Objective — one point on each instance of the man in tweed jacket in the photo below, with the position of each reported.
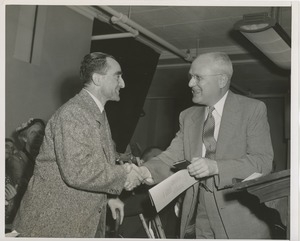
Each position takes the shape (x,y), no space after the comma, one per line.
(75,171)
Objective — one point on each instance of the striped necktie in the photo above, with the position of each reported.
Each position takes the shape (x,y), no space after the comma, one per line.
(208,135)
(209,143)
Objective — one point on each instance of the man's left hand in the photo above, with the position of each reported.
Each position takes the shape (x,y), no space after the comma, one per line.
(116,204)
(202,167)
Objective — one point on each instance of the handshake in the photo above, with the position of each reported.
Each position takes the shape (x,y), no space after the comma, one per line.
(135,176)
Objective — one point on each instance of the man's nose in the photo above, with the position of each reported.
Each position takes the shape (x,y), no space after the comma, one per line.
(121,83)
(192,82)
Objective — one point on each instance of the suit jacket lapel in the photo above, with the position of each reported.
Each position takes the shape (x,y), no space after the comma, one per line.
(110,144)
(91,105)
(107,144)
(230,119)
(195,132)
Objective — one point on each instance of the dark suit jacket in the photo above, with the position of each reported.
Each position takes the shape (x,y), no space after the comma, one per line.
(243,147)
(74,172)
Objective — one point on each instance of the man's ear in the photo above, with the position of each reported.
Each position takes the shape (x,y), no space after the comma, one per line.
(223,80)
(97,79)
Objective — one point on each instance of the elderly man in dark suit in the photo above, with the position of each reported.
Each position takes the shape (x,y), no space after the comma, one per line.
(224,136)
(75,172)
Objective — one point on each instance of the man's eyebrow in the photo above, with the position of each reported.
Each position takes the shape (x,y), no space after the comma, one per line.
(119,73)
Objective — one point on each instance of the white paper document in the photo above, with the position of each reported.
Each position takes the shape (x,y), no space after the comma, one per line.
(164,192)
(253,176)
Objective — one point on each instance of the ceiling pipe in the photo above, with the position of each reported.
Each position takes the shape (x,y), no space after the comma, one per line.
(274,13)
(131,33)
(112,36)
(134,32)
(253,95)
(121,18)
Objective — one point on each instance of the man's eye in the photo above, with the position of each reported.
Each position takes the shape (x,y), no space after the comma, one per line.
(196,77)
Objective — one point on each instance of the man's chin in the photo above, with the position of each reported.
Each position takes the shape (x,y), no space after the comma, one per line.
(197,100)
(117,98)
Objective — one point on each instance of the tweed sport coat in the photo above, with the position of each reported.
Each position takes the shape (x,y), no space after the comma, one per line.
(74,172)
(243,147)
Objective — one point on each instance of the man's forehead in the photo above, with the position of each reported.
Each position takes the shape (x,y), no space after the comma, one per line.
(204,60)
(198,65)
(113,64)
(112,61)
(202,63)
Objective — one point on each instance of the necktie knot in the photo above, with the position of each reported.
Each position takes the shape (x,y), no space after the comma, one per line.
(210,110)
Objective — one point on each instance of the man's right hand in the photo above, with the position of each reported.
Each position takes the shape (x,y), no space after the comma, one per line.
(134,178)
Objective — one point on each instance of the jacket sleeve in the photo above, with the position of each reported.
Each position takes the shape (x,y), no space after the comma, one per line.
(161,166)
(258,154)
(83,163)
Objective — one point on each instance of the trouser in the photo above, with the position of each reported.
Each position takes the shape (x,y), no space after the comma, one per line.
(208,220)
(100,232)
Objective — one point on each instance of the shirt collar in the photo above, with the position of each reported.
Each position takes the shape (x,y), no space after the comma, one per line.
(219,106)
(98,103)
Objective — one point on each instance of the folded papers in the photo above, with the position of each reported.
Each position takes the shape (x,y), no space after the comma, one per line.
(164,192)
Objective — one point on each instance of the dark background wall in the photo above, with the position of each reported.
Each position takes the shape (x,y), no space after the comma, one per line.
(38,89)
(138,63)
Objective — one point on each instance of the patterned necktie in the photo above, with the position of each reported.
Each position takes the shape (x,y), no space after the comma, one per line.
(208,135)
(209,143)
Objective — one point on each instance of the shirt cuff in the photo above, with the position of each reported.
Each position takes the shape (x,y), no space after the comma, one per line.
(147,177)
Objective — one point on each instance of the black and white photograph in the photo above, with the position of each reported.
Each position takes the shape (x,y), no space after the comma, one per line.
(150,119)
